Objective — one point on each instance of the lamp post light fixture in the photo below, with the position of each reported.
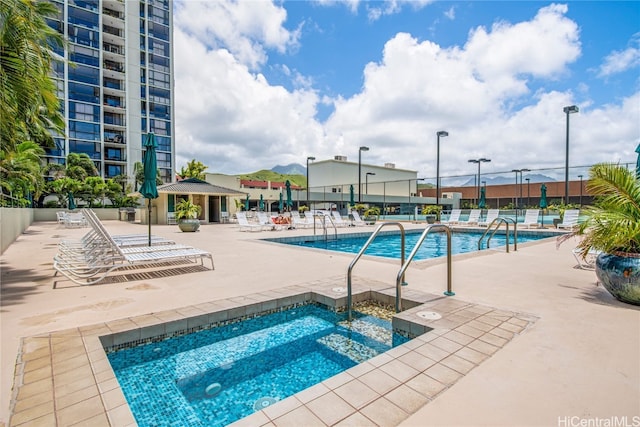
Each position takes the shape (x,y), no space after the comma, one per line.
(580,176)
(479,161)
(366,181)
(308,199)
(363,148)
(568,110)
(441,133)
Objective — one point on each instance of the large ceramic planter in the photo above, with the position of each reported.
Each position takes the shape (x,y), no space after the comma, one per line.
(619,273)
(189,225)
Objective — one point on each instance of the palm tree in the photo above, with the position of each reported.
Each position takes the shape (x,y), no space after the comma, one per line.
(194,169)
(20,172)
(29,105)
(613,223)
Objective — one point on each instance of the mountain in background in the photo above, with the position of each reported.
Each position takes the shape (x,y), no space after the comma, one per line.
(298,179)
(502,180)
(290,169)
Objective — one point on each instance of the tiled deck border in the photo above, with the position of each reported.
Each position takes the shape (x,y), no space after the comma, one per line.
(64,377)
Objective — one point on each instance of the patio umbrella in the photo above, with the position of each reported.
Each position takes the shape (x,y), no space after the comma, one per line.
(483,202)
(261,203)
(246,203)
(280,203)
(72,202)
(352,197)
(638,162)
(543,200)
(287,184)
(149,189)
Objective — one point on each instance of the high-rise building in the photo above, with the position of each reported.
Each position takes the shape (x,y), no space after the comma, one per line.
(116,83)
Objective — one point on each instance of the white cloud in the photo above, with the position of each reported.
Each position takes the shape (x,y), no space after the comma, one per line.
(233,120)
(230,118)
(244,28)
(451,13)
(620,61)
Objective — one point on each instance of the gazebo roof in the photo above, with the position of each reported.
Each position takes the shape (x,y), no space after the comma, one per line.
(197,186)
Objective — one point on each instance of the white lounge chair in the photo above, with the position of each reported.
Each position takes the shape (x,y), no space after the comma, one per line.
(357,221)
(338,221)
(474,217)
(491,215)
(570,219)
(245,225)
(267,223)
(299,222)
(531,218)
(454,217)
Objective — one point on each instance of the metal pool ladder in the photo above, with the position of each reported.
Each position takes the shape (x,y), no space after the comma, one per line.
(405,265)
(324,226)
(495,225)
(364,248)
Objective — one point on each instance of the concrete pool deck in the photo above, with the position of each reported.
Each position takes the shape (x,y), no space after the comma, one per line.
(580,359)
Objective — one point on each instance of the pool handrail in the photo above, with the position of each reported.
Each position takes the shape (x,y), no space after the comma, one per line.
(324,226)
(405,264)
(498,221)
(363,249)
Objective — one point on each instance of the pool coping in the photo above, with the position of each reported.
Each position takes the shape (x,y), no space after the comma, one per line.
(65,378)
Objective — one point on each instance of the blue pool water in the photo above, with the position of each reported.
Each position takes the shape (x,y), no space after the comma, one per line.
(389,245)
(217,376)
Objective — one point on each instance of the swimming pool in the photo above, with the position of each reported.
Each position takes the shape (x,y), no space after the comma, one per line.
(217,376)
(388,245)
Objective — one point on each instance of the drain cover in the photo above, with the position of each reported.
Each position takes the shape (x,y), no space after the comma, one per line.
(263,402)
(213,389)
(429,315)
(339,290)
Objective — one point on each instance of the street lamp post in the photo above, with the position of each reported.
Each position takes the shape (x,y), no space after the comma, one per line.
(580,176)
(441,133)
(522,170)
(515,190)
(568,110)
(363,148)
(528,191)
(308,198)
(479,161)
(366,182)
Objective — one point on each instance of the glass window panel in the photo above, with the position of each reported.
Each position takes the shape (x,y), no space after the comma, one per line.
(84,74)
(83,17)
(84,130)
(90,148)
(86,93)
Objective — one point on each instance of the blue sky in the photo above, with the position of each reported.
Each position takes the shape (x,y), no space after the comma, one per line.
(261,83)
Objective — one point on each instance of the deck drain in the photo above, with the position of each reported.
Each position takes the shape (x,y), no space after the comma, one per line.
(263,402)
(339,290)
(213,389)
(429,315)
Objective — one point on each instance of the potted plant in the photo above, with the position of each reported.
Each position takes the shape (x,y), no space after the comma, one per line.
(371,215)
(187,216)
(612,227)
(432,213)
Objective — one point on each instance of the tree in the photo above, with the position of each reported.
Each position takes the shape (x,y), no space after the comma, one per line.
(80,166)
(195,169)
(28,100)
(62,187)
(20,172)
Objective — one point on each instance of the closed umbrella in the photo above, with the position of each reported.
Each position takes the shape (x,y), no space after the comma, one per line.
(543,200)
(483,202)
(261,203)
(638,162)
(246,203)
(149,190)
(287,184)
(72,202)
(280,203)
(352,197)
